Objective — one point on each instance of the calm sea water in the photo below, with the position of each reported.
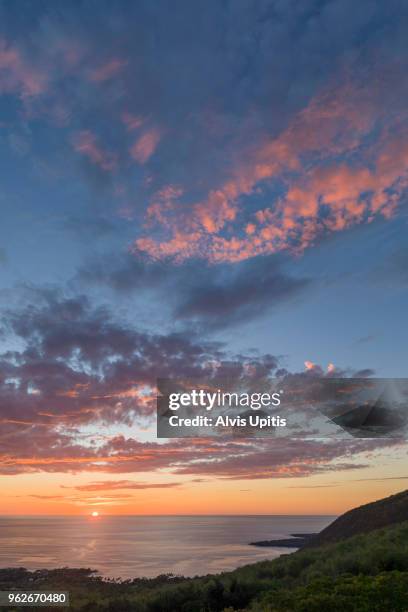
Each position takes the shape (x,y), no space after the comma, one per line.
(133,546)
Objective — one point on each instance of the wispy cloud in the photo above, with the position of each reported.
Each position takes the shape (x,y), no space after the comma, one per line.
(17,75)
(85,143)
(144,147)
(109,485)
(108,70)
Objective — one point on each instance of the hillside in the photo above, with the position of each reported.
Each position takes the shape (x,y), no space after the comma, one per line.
(381,513)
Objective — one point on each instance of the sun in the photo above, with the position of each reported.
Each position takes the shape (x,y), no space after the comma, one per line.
(94,513)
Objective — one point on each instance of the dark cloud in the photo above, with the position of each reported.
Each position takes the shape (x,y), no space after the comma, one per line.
(215,298)
(365,373)
(127,273)
(232,294)
(79,364)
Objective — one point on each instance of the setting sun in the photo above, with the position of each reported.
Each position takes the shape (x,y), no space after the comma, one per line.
(95,514)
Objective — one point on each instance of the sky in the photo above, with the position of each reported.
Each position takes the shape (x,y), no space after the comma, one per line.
(189,188)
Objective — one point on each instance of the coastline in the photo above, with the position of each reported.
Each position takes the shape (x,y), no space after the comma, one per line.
(296,540)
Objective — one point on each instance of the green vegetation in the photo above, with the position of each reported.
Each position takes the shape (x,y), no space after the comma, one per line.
(365,573)
(381,513)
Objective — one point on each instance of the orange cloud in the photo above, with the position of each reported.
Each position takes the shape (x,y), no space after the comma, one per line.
(331,179)
(163,202)
(145,146)
(309,365)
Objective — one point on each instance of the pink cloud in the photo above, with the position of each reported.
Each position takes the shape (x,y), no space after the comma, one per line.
(16,76)
(85,142)
(357,182)
(107,71)
(132,122)
(145,145)
(309,365)
(162,203)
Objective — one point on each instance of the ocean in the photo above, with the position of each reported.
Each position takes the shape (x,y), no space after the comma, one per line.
(135,546)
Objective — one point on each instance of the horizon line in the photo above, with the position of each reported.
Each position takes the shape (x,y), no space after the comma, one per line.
(101,514)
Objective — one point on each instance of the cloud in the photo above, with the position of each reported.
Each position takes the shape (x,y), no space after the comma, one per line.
(224,459)
(145,145)
(221,297)
(381,479)
(79,365)
(365,339)
(17,76)
(85,143)
(312,142)
(227,296)
(109,485)
(46,497)
(309,365)
(125,273)
(298,153)
(330,177)
(326,486)
(364,373)
(331,370)
(108,70)
(284,459)
(132,122)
